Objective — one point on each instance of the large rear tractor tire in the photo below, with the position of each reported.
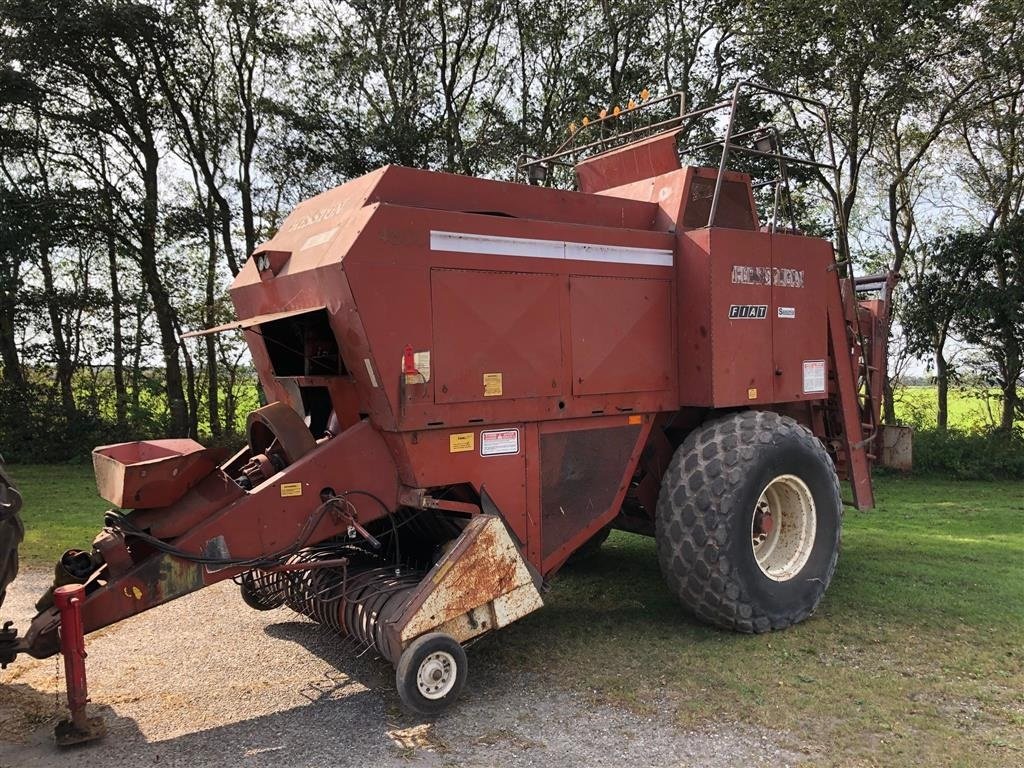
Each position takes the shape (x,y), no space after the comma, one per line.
(12,531)
(748,522)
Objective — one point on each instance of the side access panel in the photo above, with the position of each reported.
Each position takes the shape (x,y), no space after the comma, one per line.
(496,334)
(725,334)
(586,466)
(621,334)
(798,318)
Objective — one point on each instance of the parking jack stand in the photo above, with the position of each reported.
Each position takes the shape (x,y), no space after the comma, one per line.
(80,728)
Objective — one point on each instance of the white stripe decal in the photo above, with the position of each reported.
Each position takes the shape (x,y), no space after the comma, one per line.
(465,242)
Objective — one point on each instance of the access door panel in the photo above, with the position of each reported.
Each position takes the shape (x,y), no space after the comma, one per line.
(741,337)
(621,334)
(799,325)
(497,335)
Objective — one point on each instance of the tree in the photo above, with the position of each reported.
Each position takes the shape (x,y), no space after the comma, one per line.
(950,266)
(91,62)
(992,315)
(991,134)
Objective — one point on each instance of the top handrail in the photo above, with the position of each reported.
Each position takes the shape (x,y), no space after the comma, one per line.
(675,123)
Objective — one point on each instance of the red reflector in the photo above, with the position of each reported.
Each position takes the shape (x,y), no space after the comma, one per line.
(408,361)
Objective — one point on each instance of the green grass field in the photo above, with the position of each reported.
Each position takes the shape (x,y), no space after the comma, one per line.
(968,408)
(914,658)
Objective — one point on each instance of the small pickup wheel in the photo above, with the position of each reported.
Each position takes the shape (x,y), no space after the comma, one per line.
(748,522)
(431,673)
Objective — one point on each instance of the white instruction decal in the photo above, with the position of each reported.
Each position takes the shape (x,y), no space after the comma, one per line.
(787,312)
(499,442)
(814,376)
(422,362)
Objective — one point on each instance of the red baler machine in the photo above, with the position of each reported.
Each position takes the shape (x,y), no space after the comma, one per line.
(469,381)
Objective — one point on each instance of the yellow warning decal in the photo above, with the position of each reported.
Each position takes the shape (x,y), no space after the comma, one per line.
(459,442)
(291,489)
(752,393)
(636,418)
(492,385)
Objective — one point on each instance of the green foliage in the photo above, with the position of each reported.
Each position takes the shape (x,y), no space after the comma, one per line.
(35,428)
(971,284)
(952,263)
(972,447)
(969,455)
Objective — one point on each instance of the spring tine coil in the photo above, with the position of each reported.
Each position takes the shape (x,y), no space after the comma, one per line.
(356,601)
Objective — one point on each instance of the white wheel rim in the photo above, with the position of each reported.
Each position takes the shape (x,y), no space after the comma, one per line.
(782,528)
(436,676)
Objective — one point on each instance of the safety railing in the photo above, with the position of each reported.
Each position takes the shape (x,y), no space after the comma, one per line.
(766,139)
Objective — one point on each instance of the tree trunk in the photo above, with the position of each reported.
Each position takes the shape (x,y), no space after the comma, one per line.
(888,401)
(230,400)
(1010,396)
(942,386)
(64,368)
(9,354)
(212,389)
(120,391)
(140,314)
(1009,409)
(190,391)
(162,307)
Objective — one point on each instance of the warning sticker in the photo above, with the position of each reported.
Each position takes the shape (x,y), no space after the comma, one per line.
(814,376)
(421,366)
(499,442)
(291,489)
(422,362)
(492,385)
(459,442)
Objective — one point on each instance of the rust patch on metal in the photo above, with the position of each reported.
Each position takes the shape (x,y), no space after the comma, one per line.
(177,577)
(482,569)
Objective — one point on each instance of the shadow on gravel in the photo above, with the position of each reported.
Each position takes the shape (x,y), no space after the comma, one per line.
(354,666)
(356,669)
(27,720)
(351,730)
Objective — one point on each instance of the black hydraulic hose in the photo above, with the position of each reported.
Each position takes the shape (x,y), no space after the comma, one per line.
(387,512)
(119,522)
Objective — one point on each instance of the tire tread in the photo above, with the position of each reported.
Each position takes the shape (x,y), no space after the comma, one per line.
(692,527)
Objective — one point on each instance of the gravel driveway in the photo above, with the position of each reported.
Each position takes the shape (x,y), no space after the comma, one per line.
(206,681)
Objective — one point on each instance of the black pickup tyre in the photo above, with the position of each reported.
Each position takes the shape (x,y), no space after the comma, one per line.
(748,522)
